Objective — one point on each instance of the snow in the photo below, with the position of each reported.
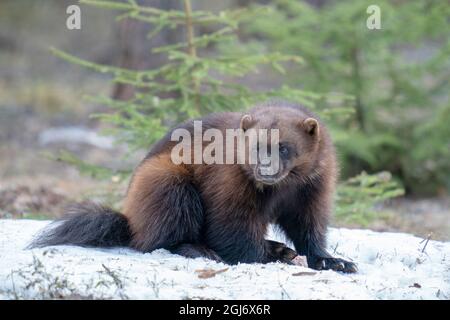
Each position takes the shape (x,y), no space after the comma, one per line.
(391,266)
(77,135)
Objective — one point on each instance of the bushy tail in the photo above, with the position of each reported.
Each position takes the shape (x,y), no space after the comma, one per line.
(86,224)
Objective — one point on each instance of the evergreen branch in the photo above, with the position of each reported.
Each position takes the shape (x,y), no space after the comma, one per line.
(116,5)
(94,171)
(91,65)
(176,17)
(201,41)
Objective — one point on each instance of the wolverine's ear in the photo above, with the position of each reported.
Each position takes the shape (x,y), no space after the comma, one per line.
(246,122)
(311,126)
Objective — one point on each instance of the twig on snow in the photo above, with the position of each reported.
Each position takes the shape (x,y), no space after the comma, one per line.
(426,241)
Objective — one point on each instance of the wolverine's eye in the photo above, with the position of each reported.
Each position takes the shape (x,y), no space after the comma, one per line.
(284,151)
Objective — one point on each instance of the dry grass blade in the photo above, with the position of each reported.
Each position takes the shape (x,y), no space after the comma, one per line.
(209,273)
(304,273)
(426,241)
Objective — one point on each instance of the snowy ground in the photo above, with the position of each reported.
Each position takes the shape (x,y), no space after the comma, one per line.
(391,266)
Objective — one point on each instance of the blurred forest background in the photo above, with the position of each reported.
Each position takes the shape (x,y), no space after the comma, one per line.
(131,72)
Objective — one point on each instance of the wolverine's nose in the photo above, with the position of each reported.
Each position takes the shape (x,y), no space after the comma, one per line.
(268,166)
(267,170)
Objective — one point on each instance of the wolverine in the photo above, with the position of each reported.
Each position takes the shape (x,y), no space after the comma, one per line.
(223,211)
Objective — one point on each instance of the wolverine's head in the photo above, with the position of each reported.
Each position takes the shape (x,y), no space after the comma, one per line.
(282,141)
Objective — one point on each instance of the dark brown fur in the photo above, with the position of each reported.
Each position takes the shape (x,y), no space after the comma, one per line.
(223,212)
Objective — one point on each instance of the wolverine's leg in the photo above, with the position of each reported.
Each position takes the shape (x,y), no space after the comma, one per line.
(163,206)
(305,223)
(277,251)
(190,250)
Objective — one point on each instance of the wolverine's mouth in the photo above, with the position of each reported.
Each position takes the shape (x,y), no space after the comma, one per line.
(268,179)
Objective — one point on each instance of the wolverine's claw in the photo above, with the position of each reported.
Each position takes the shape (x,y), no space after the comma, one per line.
(335,264)
(338,266)
(350,267)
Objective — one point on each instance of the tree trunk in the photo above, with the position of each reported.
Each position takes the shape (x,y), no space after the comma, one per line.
(135,48)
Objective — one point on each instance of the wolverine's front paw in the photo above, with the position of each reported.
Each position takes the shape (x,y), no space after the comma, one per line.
(335,264)
(277,251)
